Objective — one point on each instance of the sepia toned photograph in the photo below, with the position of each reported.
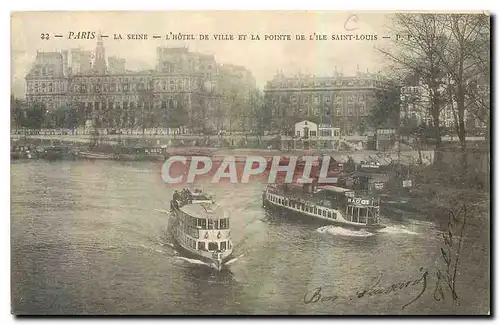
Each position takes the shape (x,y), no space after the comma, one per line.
(250,163)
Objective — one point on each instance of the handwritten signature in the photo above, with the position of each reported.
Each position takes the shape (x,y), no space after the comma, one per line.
(451,257)
(317,294)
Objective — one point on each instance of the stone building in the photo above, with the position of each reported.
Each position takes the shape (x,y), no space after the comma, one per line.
(341,101)
(186,90)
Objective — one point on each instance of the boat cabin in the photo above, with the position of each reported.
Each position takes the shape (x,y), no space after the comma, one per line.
(206,227)
(359,208)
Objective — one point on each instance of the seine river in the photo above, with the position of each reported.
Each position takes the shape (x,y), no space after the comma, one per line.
(89,238)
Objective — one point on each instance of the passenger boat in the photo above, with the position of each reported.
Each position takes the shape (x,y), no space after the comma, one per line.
(200,227)
(331,204)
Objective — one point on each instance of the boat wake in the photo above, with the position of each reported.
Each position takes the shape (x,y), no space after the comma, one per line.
(397,230)
(231,261)
(339,231)
(167,244)
(162,211)
(145,247)
(195,261)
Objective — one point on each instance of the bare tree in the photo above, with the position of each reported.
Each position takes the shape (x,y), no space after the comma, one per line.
(418,43)
(146,98)
(462,62)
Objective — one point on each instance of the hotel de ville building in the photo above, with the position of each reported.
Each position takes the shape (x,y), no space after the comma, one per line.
(186,90)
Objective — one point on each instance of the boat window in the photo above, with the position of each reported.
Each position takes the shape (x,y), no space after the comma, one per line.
(223,246)
(324,213)
(213,246)
(224,223)
(202,223)
(210,224)
(329,214)
(201,245)
(363,215)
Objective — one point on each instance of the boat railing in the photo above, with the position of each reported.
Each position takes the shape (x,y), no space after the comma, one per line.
(362,214)
(366,211)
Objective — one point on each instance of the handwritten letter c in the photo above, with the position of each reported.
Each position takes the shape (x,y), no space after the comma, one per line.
(353,18)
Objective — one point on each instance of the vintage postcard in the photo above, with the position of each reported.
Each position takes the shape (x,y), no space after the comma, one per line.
(250,163)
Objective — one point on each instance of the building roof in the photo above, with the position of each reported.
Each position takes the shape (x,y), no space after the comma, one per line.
(305,122)
(335,189)
(205,210)
(49,55)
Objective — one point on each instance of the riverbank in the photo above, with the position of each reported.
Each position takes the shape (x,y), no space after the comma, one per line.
(438,192)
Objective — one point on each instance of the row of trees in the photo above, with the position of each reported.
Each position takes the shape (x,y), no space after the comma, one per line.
(212,113)
(449,54)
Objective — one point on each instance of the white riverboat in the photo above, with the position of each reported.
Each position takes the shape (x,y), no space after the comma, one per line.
(332,204)
(201,228)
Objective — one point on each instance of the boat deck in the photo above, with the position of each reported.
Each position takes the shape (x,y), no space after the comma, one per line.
(318,198)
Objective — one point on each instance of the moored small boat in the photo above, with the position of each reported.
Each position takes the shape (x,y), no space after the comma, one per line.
(95,155)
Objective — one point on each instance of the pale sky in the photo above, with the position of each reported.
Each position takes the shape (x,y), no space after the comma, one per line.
(263,58)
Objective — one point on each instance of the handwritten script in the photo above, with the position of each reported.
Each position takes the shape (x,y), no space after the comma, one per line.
(451,255)
(445,279)
(318,296)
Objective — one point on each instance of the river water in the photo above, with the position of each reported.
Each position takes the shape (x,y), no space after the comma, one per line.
(89,238)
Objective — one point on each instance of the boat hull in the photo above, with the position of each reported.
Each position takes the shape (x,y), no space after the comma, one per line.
(293,214)
(218,265)
(202,255)
(95,156)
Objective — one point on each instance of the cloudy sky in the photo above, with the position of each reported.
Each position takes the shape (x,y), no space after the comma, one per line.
(262,57)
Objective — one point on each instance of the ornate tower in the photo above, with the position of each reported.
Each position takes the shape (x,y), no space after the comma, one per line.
(100,57)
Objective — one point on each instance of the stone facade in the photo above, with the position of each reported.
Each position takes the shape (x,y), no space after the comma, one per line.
(341,101)
(186,89)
